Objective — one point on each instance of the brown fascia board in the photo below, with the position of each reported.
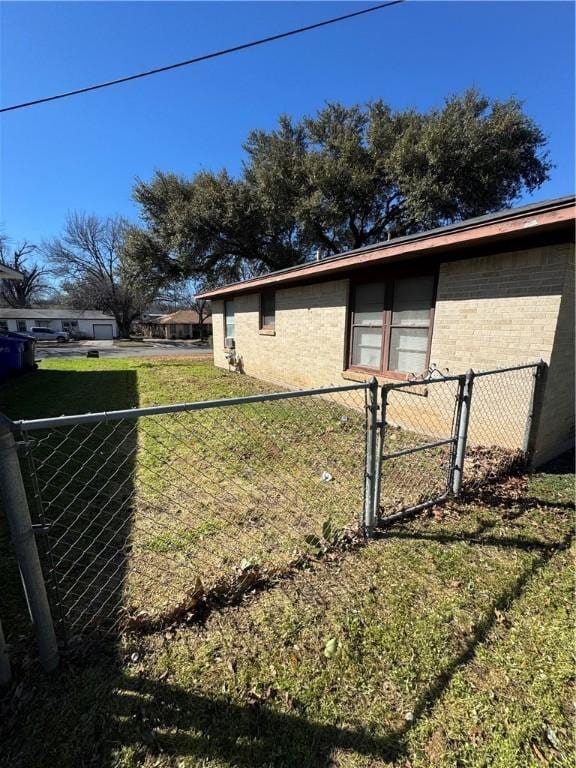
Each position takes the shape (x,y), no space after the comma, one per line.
(517,223)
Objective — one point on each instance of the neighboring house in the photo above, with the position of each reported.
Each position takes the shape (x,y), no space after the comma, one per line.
(183,324)
(484,293)
(82,323)
(7,273)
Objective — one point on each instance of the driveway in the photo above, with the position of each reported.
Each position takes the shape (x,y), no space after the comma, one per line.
(155,348)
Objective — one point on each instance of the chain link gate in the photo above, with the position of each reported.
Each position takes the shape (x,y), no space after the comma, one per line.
(418,444)
(431,425)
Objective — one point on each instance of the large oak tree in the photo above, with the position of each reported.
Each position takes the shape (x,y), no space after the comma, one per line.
(345,178)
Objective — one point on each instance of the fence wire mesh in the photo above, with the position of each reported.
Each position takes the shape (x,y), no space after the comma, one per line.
(417,459)
(143,515)
(499,423)
(419,415)
(145,518)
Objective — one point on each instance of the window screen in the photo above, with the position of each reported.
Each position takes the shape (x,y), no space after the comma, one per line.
(229,319)
(410,324)
(391,324)
(367,323)
(268,310)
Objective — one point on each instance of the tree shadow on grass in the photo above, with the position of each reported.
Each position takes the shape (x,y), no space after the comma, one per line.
(159,718)
(93,710)
(80,485)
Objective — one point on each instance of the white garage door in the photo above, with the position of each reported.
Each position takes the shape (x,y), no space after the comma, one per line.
(102,331)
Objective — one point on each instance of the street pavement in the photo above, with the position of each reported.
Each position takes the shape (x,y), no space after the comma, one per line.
(153,348)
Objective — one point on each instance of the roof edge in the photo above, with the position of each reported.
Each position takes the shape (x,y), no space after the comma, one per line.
(7,273)
(486,227)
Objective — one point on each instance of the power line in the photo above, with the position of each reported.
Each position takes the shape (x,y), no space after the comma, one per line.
(198,59)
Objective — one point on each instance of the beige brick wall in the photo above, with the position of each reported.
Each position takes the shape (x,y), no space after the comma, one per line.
(490,312)
(498,310)
(556,428)
(218,334)
(308,348)
(501,310)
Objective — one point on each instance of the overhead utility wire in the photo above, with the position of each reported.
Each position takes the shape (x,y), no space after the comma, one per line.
(198,59)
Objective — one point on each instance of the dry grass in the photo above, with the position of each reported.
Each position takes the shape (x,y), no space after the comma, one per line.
(444,642)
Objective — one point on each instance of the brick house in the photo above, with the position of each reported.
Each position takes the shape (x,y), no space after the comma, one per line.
(183,324)
(484,293)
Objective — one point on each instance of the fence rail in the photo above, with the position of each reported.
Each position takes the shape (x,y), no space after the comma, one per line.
(136,515)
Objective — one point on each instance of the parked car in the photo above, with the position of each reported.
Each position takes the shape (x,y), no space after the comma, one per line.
(48,334)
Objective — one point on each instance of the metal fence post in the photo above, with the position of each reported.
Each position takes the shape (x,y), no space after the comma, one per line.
(16,509)
(369,521)
(532,420)
(464,402)
(381,436)
(5,671)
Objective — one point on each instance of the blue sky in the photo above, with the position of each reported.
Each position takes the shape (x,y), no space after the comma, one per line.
(85,152)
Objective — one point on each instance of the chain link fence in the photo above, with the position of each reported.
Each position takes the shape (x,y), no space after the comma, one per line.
(140,518)
(143,513)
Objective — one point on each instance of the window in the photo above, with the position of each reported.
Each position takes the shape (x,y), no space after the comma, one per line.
(268,311)
(3,325)
(391,324)
(21,325)
(70,325)
(229,319)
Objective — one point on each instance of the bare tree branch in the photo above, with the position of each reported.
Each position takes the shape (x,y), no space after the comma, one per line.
(22,293)
(96,259)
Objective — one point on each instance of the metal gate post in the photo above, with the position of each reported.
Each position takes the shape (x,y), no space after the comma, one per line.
(531,430)
(369,516)
(381,436)
(464,401)
(15,506)
(5,671)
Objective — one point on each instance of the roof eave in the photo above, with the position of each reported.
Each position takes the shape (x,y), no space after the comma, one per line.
(7,273)
(492,228)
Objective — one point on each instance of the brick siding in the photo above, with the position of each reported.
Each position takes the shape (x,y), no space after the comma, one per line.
(491,311)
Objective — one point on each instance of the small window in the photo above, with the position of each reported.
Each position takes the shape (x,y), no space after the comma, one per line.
(367,324)
(3,325)
(229,319)
(410,324)
(391,325)
(21,325)
(268,310)
(70,325)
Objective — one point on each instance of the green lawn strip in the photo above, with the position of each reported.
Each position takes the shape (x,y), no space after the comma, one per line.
(248,478)
(406,619)
(512,704)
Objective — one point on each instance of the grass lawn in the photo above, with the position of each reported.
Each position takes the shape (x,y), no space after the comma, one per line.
(445,642)
(451,646)
(142,512)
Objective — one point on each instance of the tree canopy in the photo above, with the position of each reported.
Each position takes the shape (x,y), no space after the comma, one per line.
(345,178)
